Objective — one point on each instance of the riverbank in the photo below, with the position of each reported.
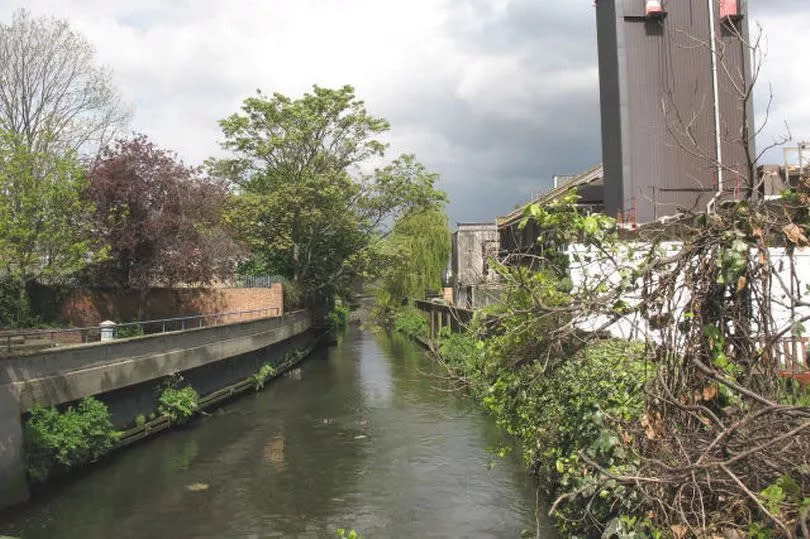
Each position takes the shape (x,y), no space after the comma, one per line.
(569,420)
(359,436)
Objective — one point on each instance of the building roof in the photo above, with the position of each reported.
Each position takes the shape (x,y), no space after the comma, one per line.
(590,176)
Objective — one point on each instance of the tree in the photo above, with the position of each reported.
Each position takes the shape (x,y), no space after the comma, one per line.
(159,217)
(45,224)
(417,252)
(51,92)
(302,206)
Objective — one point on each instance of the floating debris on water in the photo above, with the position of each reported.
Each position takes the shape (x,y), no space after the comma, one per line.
(196,487)
(295,374)
(360,437)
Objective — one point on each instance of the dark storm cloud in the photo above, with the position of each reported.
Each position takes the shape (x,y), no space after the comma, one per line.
(511,158)
(507,158)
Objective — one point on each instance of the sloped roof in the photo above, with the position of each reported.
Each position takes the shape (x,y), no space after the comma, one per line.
(588,177)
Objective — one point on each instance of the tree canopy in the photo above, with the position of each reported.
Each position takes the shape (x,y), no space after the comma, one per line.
(416,254)
(159,217)
(304,207)
(45,224)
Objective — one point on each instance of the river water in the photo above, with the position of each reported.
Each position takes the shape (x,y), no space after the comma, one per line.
(361,436)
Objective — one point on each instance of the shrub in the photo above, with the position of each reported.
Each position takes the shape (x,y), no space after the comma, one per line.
(411,322)
(338,317)
(578,405)
(126,332)
(264,372)
(55,439)
(178,404)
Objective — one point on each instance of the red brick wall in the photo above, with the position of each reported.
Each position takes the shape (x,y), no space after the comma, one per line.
(88,307)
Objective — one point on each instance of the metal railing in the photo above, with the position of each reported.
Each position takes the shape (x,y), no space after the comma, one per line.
(16,341)
(253,281)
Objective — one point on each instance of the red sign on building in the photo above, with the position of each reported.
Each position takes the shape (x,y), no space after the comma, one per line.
(729,8)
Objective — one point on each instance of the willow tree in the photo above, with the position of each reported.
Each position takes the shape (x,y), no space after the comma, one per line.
(417,250)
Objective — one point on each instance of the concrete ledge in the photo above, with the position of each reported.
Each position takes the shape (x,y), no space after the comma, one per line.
(101,368)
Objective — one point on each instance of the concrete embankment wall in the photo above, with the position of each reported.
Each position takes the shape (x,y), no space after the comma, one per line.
(126,374)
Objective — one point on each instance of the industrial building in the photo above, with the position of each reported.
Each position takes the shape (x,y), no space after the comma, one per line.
(675,121)
(473,280)
(518,242)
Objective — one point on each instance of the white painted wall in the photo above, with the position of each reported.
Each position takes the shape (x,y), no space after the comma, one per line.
(590,268)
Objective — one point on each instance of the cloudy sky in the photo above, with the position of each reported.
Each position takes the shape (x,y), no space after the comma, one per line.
(495,95)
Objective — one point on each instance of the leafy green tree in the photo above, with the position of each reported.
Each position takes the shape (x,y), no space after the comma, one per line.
(417,251)
(304,208)
(45,230)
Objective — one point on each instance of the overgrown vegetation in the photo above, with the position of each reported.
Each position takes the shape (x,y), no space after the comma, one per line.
(264,373)
(690,432)
(176,402)
(129,331)
(338,317)
(565,417)
(412,322)
(57,441)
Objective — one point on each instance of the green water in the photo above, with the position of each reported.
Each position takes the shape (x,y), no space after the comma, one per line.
(361,436)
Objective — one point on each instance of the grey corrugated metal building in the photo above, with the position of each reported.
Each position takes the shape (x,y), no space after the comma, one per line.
(662,113)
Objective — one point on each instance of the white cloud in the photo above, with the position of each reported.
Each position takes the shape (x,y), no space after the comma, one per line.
(477,88)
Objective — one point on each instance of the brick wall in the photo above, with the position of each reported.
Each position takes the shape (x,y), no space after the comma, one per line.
(89,306)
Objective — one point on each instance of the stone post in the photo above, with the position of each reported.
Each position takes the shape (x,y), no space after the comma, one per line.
(107,330)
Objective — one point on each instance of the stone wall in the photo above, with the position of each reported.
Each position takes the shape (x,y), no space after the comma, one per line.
(84,307)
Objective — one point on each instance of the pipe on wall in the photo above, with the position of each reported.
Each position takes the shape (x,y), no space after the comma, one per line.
(716,90)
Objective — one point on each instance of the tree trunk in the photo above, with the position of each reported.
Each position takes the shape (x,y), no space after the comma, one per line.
(142,293)
(23,307)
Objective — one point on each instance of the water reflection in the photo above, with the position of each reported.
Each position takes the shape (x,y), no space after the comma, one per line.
(360,437)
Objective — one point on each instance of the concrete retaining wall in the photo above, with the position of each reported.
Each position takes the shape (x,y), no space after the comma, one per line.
(125,374)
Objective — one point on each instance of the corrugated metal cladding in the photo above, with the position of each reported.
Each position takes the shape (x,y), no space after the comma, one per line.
(660,159)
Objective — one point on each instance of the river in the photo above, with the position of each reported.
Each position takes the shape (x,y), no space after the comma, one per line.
(361,436)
